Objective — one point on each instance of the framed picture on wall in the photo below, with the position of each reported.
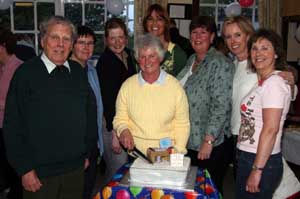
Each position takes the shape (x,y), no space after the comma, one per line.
(180,11)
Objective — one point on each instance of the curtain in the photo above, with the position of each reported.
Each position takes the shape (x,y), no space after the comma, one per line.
(140,8)
(269,14)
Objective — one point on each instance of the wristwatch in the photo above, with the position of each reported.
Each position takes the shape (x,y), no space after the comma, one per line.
(254,167)
(210,142)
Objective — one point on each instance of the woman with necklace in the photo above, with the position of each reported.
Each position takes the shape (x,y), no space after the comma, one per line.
(207,80)
(263,112)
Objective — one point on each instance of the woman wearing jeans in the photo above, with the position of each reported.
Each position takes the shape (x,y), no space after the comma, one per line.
(263,111)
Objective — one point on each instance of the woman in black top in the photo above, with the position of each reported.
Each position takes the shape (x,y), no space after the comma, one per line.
(115,65)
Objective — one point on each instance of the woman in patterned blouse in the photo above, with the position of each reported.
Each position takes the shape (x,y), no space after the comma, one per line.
(207,80)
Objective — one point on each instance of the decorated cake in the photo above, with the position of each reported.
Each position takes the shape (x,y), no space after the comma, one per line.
(159,173)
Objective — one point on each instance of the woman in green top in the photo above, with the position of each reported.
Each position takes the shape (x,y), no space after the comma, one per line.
(157,22)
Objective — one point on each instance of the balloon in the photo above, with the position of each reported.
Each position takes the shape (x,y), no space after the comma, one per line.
(200,179)
(246,3)
(4,4)
(169,196)
(190,195)
(135,190)
(106,192)
(157,194)
(113,183)
(297,36)
(122,194)
(233,9)
(209,189)
(115,7)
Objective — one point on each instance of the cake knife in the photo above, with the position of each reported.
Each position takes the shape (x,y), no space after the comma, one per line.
(139,154)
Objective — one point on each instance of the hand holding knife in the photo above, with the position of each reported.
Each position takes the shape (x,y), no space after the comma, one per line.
(136,152)
(127,142)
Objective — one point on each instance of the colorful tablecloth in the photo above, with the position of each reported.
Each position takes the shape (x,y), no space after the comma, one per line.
(204,189)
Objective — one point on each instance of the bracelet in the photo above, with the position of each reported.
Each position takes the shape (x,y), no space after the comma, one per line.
(255,168)
(210,142)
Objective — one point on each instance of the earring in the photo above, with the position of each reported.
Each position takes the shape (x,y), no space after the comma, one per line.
(275,56)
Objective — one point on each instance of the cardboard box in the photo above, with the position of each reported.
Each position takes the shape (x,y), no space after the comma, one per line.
(157,154)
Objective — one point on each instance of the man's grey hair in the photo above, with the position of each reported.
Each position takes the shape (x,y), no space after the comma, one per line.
(149,41)
(57,20)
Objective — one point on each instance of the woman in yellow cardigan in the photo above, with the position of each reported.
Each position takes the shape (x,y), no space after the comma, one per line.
(151,105)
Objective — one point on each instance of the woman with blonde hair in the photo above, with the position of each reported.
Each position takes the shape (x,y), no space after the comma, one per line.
(236,32)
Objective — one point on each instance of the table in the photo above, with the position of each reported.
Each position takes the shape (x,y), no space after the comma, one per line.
(291,145)
(204,188)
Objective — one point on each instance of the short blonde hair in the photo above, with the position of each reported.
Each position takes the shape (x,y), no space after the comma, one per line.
(243,22)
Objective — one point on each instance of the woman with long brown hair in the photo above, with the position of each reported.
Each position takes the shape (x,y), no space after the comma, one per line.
(157,23)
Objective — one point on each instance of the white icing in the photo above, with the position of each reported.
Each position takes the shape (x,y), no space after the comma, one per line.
(159,173)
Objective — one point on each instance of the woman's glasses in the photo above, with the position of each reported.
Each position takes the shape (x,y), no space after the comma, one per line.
(85,43)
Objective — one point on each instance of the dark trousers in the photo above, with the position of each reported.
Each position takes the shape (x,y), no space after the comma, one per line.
(64,186)
(90,174)
(216,164)
(270,178)
(8,176)
(231,152)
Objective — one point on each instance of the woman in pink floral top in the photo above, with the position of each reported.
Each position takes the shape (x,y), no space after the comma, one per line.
(8,64)
(263,112)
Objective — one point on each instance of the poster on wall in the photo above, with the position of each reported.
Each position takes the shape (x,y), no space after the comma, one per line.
(177,11)
(180,11)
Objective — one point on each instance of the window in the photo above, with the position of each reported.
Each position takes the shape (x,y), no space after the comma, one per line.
(89,13)
(24,17)
(216,9)
(93,13)
(128,17)
(5,18)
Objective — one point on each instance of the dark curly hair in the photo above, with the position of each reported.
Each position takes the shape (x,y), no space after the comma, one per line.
(277,43)
(206,22)
(84,31)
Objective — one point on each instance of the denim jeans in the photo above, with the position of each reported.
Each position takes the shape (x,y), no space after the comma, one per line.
(270,178)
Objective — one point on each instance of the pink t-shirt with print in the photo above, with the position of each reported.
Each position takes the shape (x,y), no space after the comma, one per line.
(271,93)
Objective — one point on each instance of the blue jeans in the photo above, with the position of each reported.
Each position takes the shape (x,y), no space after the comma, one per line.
(270,178)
